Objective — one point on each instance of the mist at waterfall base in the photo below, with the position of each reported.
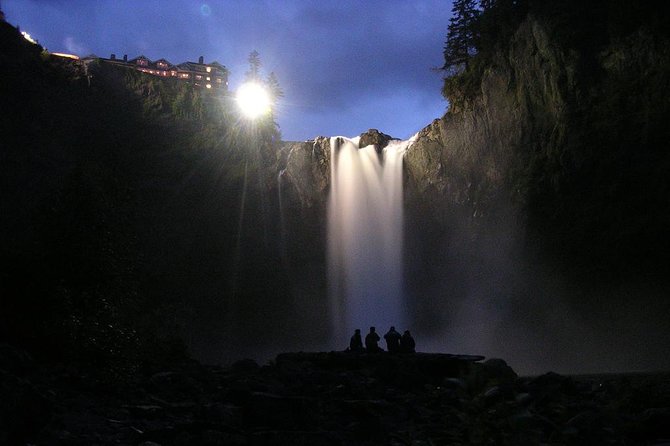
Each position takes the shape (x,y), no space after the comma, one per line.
(488,295)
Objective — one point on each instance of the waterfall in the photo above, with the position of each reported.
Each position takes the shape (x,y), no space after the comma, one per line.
(365,238)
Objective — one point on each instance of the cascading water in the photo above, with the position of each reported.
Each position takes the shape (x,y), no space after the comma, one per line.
(365,237)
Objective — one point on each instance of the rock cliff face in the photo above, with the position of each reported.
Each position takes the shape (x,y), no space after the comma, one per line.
(561,141)
(307,170)
(477,154)
(542,194)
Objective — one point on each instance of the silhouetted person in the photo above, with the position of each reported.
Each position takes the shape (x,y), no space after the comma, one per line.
(392,340)
(407,344)
(371,341)
(356,343)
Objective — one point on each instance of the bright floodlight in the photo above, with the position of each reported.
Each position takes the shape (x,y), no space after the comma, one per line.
(253,100)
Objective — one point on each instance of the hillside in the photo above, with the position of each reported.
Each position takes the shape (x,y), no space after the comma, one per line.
(123,195)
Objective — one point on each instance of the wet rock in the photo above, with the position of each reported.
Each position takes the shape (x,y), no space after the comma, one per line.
(523,420)
(523,399)
(15,360)
(306,175)
(456,384)
(493,395)
(146,411)
(221,413)
(654,423)
(551,385)
(274,411)
(490,373)
(23,409)
(335,398)
(381,411)
(294,438)
(592,427)
(376,138)
(245,366)
(238,393)
(175,386)
(211,437)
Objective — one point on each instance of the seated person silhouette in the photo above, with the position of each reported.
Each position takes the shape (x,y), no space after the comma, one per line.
(371,341)
(392,338)
(356,343)
(407,344)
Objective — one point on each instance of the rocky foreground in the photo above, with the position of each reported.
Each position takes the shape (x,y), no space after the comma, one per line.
(330,399)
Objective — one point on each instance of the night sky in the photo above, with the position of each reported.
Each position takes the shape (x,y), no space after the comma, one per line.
(345,66)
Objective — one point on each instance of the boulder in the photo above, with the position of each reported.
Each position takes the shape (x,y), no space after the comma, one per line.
(23,410)
(15,360)
(272,411)
(491,372)
(376,138)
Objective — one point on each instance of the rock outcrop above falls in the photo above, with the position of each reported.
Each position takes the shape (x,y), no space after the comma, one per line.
(376,138)
(306,170)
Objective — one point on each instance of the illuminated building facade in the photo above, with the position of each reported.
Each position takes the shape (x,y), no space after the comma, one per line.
(211,76)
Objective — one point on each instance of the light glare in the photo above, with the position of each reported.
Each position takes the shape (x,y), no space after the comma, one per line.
(28,37)
(253,100)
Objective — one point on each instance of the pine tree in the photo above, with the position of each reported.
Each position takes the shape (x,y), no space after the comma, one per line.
(276,91)
(485,5)
(254,66)
(459,46)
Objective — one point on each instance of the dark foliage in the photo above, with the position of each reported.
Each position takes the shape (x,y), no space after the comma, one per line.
(459,47)
(475,35)
(121,202)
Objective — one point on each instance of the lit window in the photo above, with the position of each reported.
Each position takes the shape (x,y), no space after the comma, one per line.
(209,85)
(219,81)
(208,78)
(197,76)
(209,69)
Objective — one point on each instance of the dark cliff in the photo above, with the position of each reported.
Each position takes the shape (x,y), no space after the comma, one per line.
(541,195)
(136,214)
(572,139)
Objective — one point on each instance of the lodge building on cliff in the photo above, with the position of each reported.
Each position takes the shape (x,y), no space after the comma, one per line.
(210,76)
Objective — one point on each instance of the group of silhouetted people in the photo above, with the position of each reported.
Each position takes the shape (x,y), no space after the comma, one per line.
(395,343)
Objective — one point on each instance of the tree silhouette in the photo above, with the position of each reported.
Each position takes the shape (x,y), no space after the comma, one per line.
(486,4)
(459,46)
(254,60)
(276,91)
